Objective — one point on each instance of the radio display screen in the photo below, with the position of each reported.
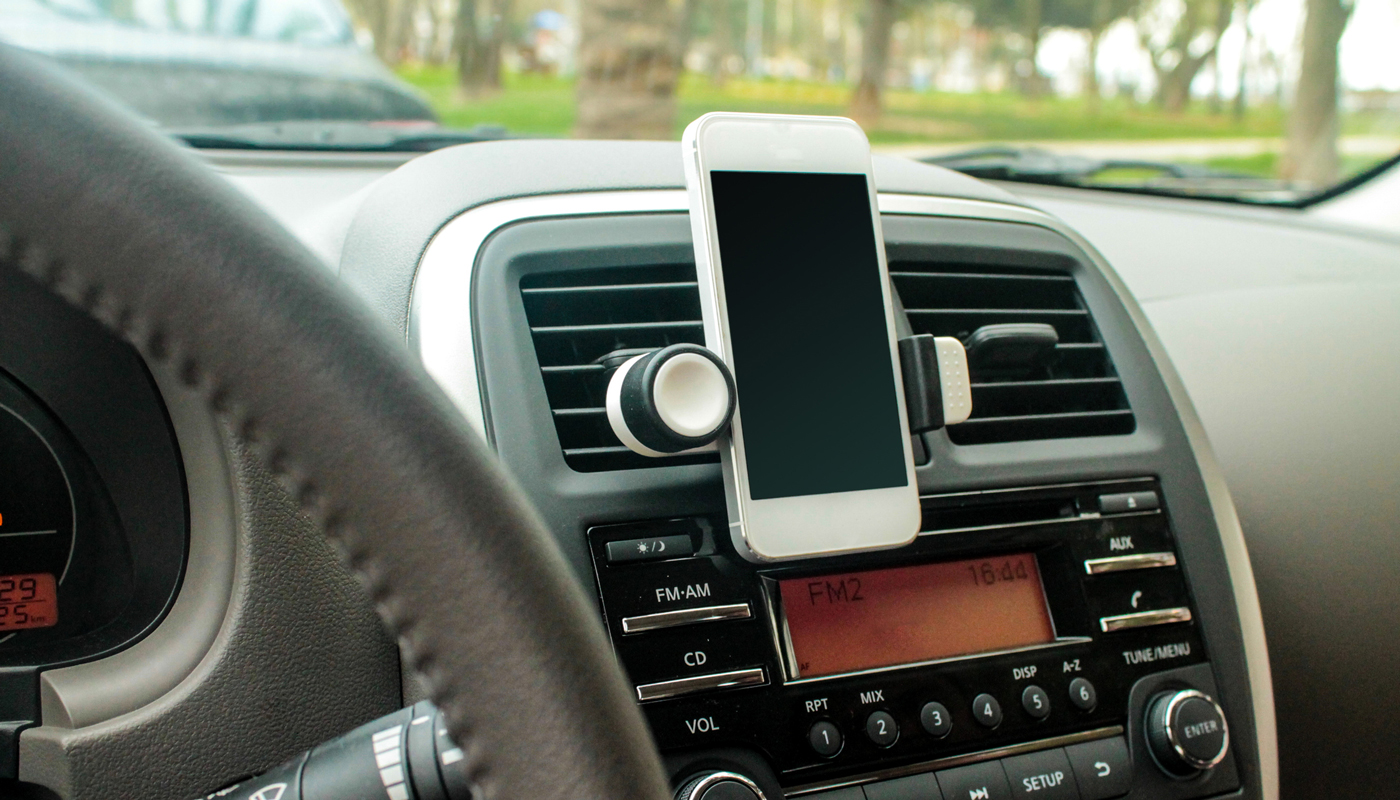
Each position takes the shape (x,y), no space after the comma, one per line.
(888,617)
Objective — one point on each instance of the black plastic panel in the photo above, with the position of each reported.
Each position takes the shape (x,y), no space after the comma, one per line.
(518,418)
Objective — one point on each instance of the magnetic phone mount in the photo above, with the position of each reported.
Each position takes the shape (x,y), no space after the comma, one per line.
(679,398)
(670,400)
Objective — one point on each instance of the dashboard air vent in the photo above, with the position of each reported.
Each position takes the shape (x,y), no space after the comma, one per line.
(1077,394)
(578,317)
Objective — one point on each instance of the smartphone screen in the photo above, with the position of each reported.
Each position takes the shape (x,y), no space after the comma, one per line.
(807,328)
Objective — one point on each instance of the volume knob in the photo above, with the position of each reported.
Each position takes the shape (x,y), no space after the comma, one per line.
(1186,732)
(719,786)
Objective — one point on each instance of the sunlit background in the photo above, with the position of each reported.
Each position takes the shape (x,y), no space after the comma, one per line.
(1306,92)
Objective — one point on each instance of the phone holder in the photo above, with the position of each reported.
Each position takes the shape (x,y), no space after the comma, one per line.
(671,400)
(681,398)
(937,387)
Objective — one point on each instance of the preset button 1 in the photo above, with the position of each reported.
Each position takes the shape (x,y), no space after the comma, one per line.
(825,739)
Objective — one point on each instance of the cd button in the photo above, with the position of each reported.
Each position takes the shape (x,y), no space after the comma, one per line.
(680,652)
(987,710)
(985,781)
(825,739)
(1102,768)
(1041,776)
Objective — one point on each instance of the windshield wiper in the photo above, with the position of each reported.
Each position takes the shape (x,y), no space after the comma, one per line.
(325,135)
(1035,165)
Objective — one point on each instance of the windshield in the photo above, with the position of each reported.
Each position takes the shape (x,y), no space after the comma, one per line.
(1271,101)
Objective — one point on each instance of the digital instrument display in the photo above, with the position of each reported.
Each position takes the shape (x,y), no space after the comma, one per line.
(906,615)
(809,333)
(28,601)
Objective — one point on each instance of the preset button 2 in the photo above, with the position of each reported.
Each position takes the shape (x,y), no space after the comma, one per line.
(881,728)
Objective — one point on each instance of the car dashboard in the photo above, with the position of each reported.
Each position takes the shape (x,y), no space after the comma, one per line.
(1081,504)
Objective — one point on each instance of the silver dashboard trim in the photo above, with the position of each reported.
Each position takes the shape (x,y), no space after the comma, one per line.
(440,332)
(1100,566)
(1144,619)
(700,683)
(685,616)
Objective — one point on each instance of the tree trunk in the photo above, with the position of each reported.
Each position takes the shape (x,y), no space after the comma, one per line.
(1093,93)
(1241,99)
(627,72)
(467,44)
(753,38)
(874,60)
(1311,154)
(1033,84)
(724,40)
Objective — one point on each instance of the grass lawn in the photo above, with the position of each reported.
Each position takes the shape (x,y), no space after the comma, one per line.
(541,105)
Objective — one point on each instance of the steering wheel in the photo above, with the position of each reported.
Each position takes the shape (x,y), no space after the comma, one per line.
(123,224)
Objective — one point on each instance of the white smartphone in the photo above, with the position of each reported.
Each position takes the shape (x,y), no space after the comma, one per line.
(795,297)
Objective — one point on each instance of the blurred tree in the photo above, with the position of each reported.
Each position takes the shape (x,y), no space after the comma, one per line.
(1241,93)
(627,71)
(479,45)
(1031,18)
(377,16)
(1190,42)
(1094,17)
(880,16)
(1311,153)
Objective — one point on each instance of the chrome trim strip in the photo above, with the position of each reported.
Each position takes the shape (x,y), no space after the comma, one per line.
(440,331)
(685,616)
(957,761)
(700,683)
(1144,619)
(1099,566)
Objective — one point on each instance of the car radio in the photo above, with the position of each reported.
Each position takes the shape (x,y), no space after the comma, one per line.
(1032,642)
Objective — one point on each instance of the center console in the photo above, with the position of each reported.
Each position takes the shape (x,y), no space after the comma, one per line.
(1014,650)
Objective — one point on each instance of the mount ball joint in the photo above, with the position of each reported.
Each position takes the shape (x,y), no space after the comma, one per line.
(670,400)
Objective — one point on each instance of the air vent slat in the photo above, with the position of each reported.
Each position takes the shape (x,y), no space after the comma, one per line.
(1077,394)
(578,316)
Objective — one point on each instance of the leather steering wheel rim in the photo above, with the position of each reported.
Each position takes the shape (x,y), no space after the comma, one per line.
(122,223)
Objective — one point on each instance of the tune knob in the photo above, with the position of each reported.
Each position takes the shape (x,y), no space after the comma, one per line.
(1186,732)
(719,786)
(670,400)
